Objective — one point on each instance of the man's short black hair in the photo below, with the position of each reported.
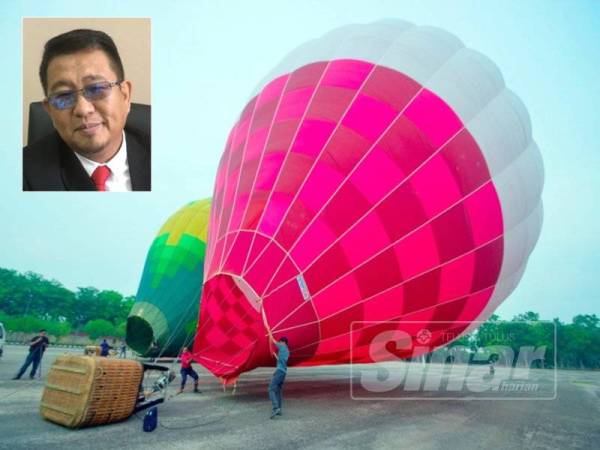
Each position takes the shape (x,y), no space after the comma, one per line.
(284,339)
(42,331)
(76,41)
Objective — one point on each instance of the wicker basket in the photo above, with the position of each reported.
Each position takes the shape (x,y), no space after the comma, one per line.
(91,350)
(86,390)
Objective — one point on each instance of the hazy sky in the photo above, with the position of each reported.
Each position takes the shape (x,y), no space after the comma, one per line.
(207,57)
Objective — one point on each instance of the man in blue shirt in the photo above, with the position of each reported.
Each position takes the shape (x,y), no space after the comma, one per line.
(276,385)
(104,348)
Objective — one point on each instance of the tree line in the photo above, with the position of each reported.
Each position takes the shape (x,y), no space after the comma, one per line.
(559,345)
(29,302)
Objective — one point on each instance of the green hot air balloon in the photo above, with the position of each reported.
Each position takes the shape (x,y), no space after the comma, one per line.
(164,316)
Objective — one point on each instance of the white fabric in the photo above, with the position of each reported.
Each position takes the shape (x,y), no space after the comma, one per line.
(473,87)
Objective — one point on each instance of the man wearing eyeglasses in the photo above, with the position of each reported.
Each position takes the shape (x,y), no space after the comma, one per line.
(88,100)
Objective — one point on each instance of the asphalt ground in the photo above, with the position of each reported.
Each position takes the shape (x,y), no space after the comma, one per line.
(332,407)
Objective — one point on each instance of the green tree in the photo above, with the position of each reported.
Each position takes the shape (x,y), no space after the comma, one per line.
(56,328)
(589,321)
(85,307)
(31,302)
(529,316)
(99,327)
(32,324)
(108,305)
(120,329)
(579,343)
(31,294)
(12,287)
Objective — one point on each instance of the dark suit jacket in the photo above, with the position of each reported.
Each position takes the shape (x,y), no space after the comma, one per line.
(50,165)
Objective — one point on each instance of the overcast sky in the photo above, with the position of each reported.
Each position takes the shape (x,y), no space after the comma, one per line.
(207,58)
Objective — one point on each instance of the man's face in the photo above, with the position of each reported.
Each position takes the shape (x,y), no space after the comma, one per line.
(92,128)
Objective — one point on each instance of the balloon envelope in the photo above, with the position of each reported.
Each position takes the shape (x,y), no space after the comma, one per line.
(166,307)
(380,173)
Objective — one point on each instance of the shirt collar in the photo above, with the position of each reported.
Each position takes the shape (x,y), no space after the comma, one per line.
(117,164)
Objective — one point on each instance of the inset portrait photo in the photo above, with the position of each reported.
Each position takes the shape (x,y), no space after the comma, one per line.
(86,104)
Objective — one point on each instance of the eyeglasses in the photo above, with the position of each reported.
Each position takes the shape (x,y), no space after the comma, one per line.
(91,92)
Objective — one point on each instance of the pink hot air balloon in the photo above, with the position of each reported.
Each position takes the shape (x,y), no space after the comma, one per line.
(382,172)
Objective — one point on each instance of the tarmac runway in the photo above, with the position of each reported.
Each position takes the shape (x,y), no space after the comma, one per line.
(393,405)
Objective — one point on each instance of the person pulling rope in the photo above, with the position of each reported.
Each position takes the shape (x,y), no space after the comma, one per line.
(188,370)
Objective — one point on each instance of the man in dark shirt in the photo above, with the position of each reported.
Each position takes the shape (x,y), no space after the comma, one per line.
(36,351)
(88,101)
(105,348)
(278,378)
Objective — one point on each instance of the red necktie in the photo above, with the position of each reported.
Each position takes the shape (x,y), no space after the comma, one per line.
(100,176)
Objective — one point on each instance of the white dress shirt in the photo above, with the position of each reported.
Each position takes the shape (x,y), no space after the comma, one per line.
(119,179)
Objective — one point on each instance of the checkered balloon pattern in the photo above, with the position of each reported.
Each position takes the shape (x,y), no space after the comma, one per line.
(381,174)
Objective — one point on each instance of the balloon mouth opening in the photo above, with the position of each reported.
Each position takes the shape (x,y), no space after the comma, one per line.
(232,336)
(139,335)
(248,293)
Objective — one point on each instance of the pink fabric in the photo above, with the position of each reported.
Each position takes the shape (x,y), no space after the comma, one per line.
(369,226)
(257,246)
(256,143)
(433,117)
(272,91)
(311,137)
(302,317)
(347,73)
(435,186)
(369,117)
(344,222)
(293,104)
(318,188)
(267,174)
(285,272)
(259,275)
(334,345)
(336,297)
(238,212)
(417,252)
(275,210)
(394,88)
(385,305)
(235,259)
(240,134)
(476,303)
(485,214)
(456,278)
(376,175)
(279,304)
(314,241)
